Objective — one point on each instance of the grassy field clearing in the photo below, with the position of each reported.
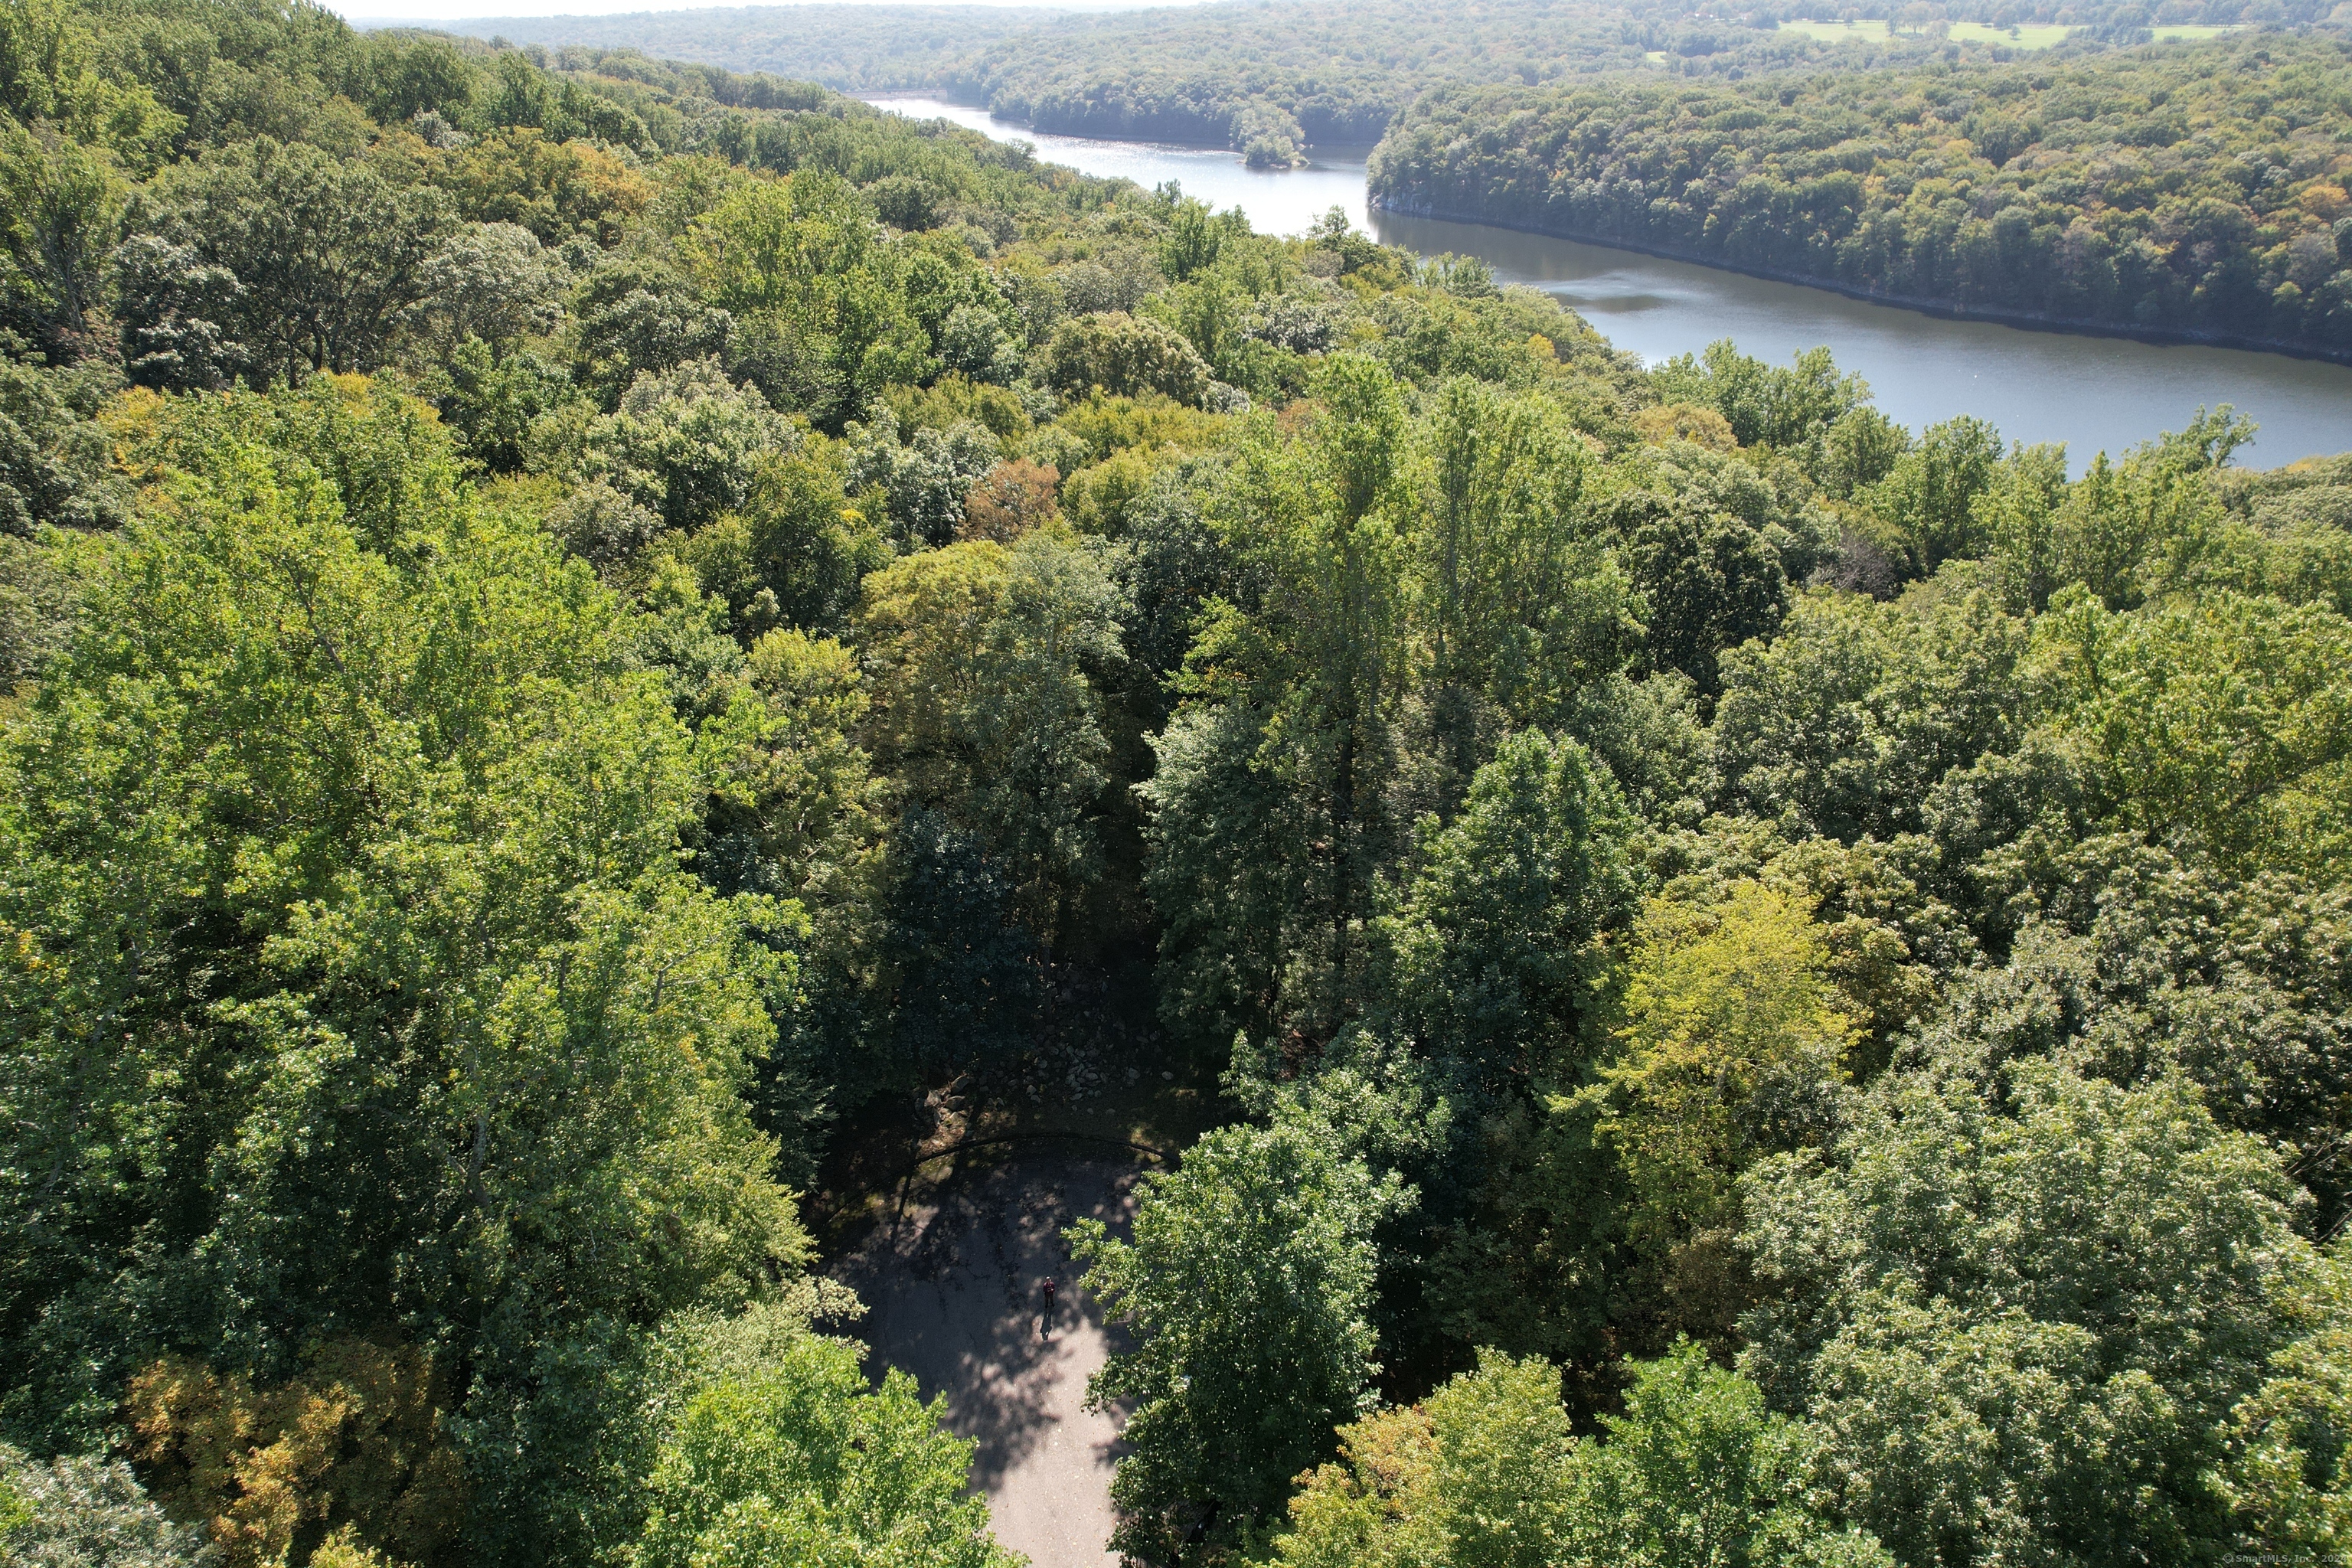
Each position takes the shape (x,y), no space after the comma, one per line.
(1840,32)
(2019,37)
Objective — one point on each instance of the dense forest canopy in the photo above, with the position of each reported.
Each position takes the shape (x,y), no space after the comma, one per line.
(1270,79)
(2174,190)
(1774,988)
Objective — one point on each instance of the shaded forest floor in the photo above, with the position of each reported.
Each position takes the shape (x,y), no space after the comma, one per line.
(944,1211)
(1098,1075)
(953,1288)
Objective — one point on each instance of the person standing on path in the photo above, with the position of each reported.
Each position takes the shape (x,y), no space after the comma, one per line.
(1045,1324)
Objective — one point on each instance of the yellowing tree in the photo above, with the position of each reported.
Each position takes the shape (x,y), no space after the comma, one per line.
(355,1443)
(1732,1046)
(1477,1475)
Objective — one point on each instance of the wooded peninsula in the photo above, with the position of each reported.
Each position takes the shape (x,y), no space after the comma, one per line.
(2183,192)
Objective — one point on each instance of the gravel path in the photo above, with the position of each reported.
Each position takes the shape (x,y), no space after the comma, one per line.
(952,1288)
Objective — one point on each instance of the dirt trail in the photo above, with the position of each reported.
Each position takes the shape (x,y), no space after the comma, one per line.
(952,1287)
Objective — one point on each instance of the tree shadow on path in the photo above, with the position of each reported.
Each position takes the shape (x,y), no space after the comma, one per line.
(953,1284)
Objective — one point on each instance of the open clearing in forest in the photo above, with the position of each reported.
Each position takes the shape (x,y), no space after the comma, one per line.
(952,1280)
(1840,32)
(2024,36)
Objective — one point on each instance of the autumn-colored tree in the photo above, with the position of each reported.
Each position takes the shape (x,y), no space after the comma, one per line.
(356,1442)
(1010,500)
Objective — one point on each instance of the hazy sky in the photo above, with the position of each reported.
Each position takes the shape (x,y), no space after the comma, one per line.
(378,12)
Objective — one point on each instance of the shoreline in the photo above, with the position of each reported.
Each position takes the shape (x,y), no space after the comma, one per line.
(960,97)
(2024,321)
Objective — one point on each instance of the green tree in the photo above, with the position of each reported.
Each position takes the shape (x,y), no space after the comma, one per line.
(2226,716)
(36,607)
(1475,1476)
(1844,723)
(64,202)
(1712,545)
(2015,516)
(633,315)
(1247,1283)
(1126,356)
(55,468)
(2155,960)
(791,788)
(2020,1305)
(1233,854)
(1494,942)
(684,443)
(1858,450)
(493,402)
(1516,606)
(797,539)
(1323,520)
(356,979)
(1196,237)
(822,321)
(495,282)
(2287,1479)
(1791,408)
(1927,500)
(801,1461)
(988,665)
(1301,690)
(328,255)
(923,477)
(55,73)
(75,1510)
(2126,533)
(1698,1473)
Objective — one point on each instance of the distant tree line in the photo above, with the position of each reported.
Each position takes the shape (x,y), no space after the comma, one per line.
(1270,82)
(848,47)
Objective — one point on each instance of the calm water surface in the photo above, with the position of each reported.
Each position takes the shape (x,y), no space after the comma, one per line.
(2092,394)
(1277,201)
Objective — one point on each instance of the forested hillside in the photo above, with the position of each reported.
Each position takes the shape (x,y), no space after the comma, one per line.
(1270,79)
(2196,191)
(1778,989)
(851,47)
(1277,78)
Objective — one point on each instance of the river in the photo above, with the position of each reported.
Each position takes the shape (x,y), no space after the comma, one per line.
(2091,393)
